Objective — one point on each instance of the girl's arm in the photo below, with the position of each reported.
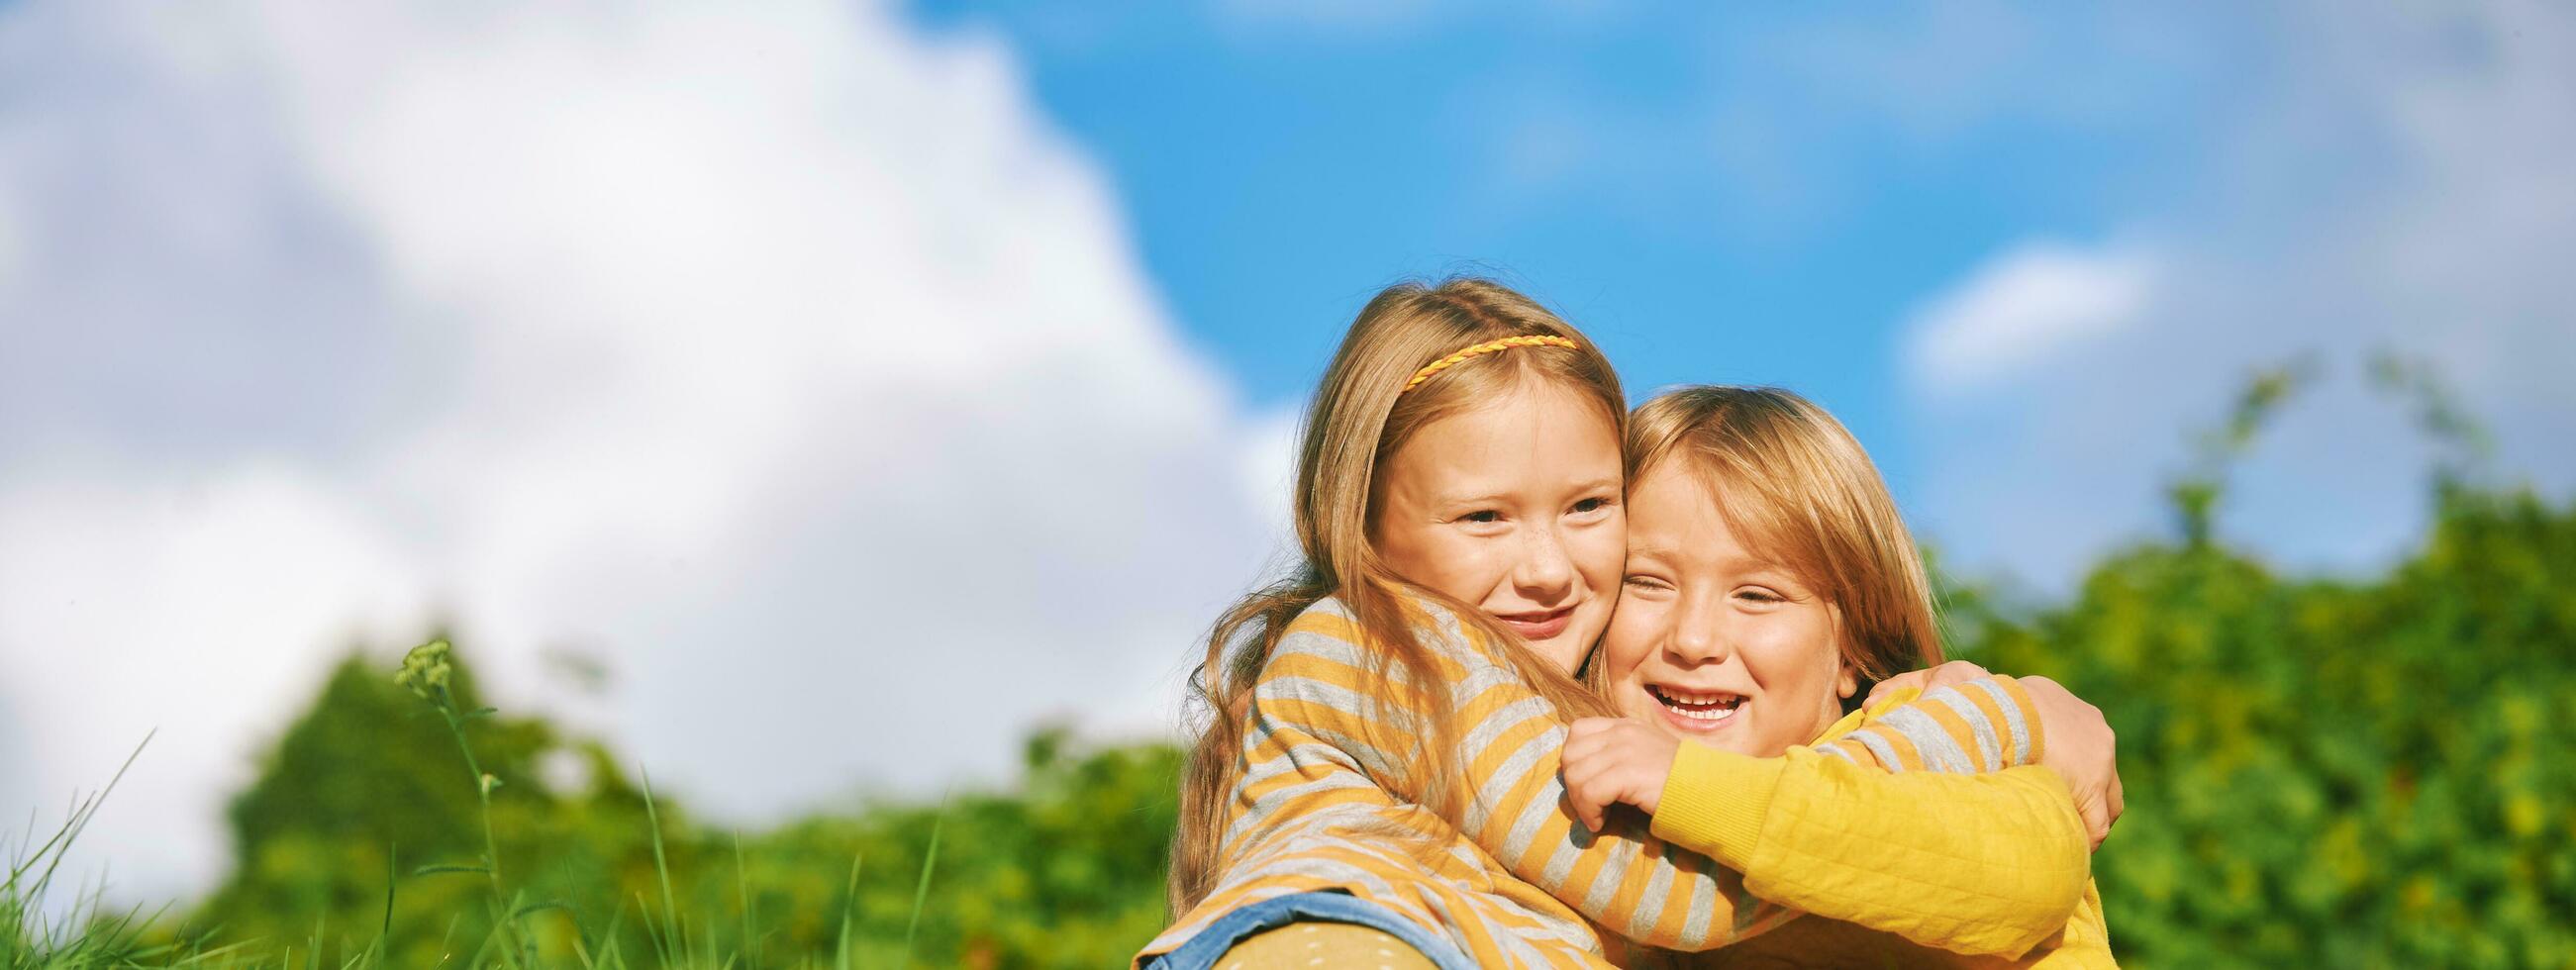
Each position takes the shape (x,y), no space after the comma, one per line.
(1624,878)
(1320,703)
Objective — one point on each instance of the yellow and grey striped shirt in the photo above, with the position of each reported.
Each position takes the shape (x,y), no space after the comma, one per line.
(1325,802)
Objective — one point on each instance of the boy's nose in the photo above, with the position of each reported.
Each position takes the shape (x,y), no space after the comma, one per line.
(1698,635)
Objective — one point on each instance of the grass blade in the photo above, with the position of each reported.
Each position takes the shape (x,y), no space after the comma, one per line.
(385,934)
(742,884)
(849,904)
(921,893)
(671,924)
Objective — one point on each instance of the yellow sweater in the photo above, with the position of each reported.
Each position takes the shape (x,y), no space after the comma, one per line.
(1812,830)
(1327,801)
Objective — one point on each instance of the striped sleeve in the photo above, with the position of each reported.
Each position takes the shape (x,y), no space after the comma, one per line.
(1318,696)
(1984,725)
(1310,813)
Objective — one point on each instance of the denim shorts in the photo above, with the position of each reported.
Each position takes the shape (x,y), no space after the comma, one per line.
(1202,950)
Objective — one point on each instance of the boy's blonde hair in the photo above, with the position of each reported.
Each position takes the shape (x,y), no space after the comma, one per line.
(1794,484)
(1366,408)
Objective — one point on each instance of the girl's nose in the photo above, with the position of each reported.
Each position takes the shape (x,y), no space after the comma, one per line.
(1545,573)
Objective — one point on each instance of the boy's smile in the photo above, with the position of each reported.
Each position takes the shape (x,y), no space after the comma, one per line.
(1697,712)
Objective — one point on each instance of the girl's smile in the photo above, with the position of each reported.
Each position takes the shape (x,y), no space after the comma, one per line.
(1539,625)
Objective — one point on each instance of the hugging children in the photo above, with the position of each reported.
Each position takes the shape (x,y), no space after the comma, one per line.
(1386,773)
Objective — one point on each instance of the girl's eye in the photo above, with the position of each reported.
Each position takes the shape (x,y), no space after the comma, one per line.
(1644,582)
(1591,505)
(1760,595)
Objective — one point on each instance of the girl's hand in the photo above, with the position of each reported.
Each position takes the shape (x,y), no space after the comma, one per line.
(1610,760)
(2080,746)
(2082,749)
(1946,675)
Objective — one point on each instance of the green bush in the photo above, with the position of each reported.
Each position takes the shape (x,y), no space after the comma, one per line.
(2332,773)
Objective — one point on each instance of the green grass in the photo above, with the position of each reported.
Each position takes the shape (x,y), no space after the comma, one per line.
(88,936)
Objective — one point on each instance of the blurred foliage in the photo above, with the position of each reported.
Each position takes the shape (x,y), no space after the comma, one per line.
(2331,773)
(2360,772)
(367,785)
(2349,772)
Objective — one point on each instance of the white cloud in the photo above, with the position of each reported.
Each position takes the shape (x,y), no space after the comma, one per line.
(2394,182)
(2022,307)
(785,360)
(1269,468)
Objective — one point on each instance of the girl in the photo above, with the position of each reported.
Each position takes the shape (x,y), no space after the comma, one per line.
(1383,729)
(1768,572)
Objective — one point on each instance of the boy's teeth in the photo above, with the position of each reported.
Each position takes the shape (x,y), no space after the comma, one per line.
(1700,707)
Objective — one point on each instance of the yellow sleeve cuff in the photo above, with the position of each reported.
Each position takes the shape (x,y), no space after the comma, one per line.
(1714,802)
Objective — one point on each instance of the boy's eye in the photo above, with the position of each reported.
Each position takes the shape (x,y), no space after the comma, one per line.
(1592,505)
(1644,582)
(1483,515)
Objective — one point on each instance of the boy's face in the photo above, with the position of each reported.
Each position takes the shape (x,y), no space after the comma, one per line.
(1714,642)
(1513,508)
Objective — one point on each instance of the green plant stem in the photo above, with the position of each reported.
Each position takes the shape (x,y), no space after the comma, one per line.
(678,943)
(921,892)
(491,849)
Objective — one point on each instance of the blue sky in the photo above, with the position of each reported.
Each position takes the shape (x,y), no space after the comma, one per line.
(1705,188)
(2025,252)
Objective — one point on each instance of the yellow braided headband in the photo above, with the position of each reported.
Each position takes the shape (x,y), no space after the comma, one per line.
(1507,343)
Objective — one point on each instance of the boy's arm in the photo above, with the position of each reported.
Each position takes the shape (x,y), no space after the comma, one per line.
(1990,863)
(1929,820)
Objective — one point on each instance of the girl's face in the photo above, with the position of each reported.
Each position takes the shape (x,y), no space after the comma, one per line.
(1513,507)
(1712,641)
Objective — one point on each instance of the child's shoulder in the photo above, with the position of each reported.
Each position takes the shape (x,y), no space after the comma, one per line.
(1331,627)
(1330,618)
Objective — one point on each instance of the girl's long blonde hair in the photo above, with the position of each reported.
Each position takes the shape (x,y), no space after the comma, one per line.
(1361,414)
(1793,483)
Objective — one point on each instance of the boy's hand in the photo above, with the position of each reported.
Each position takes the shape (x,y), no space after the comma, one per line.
(1609,760)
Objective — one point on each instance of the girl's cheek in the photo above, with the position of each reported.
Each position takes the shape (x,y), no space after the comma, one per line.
(1450,565)
(1604,557)
(1479,567)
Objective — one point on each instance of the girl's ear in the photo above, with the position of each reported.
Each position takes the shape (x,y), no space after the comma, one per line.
(1846,674)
